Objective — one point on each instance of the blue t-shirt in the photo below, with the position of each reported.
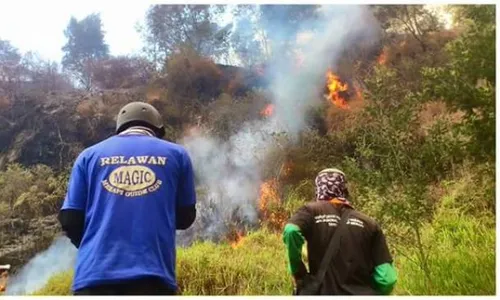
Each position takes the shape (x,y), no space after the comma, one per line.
(129,187)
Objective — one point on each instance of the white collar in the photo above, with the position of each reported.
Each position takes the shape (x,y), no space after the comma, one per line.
(140,130)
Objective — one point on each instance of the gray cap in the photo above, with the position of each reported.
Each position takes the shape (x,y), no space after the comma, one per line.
(136,113)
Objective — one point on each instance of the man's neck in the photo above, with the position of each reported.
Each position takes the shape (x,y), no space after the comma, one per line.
(340,203)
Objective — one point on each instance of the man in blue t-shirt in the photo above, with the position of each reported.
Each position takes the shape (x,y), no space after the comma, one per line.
(126,197)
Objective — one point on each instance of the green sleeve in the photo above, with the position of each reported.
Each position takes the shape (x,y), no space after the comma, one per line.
(385,278)
(293,239)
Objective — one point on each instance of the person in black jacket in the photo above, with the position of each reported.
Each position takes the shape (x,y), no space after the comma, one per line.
(363,265)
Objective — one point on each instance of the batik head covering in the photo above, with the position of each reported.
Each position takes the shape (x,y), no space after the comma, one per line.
(331,184)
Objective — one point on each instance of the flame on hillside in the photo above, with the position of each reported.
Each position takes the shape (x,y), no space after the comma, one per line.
(270,207)
(335,87)
(287,168)
(382,58)
(268,194)
(4,278)
(267,111)
(237,239)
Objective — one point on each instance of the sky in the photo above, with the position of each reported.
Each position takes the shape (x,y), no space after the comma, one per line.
(39,25)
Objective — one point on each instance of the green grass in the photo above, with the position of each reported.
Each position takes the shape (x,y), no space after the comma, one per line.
(256,266)
(461,255)
(59,284)
(462,263)
(461,241)
(461,259)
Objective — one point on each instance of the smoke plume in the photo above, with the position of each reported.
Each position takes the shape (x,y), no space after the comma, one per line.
(59,257)
(228,172)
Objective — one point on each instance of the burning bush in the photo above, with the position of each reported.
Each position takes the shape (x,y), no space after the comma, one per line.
(267,111)
(335,90)
(236,238)
(271,209)
(4,277)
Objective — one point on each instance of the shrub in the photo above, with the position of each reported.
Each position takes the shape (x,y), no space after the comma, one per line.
(31,192)
(461,262)
(121,72)
(192,79)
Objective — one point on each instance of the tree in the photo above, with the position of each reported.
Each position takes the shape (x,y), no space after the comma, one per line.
(84,48)
(171,27)
(10,65)
(244,41)
(467,82)
(282,23)
(263,30)
(44,75)
(396,158)
(413,19)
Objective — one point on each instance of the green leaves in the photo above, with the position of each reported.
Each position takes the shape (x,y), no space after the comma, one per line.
(467,82)
(84,47)
(169,28)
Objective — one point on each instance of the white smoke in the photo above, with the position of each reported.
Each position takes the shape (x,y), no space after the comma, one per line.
(229,170)
(59,257)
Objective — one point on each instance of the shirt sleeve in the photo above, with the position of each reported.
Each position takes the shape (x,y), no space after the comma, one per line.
(293,239)
(384,274)
(385,278)
(294,236)
(186,195)
(304,219)
(76,194)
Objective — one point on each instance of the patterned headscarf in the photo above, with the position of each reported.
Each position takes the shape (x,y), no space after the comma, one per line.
(331,184)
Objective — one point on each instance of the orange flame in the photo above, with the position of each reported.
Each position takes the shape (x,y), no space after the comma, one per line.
(267,111)
(4,277)
(382,58)
(270,206)
(268,194)
(335,86)
(286,169)
(238,240)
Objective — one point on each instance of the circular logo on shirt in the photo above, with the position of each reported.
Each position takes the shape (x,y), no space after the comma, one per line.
(132,178)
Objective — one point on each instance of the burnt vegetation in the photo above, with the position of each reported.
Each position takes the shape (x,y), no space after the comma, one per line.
(416,136)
